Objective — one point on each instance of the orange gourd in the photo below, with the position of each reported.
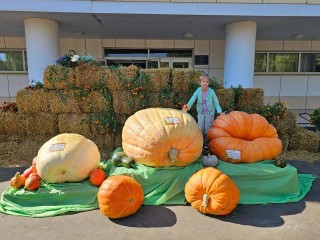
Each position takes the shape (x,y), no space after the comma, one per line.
(17,181)
(97,176)
(210,191)
(161,137)
(242,137)
(28,171)
(32,182)
(120,196)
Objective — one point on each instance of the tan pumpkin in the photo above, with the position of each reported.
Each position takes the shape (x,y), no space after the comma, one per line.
(211,191)
(120,196)
(160,137)
(67,158)
(241,137)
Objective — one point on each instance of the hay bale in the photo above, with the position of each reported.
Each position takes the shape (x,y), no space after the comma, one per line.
(118,140)
(75,123)
(2,123)
(181,98)
(89,76)
(251,100)
(58,77)
(125,102)
(158,78)
(94,102)
(183,79)
(304,139)
(286,126)
(33,101)
(14,153)
(14,123)
(103,123)
(10,138)
(285,138)
(64,101)
(225,97)
(300,155)
(162,99)
(122,118)
(117,78)
(41,125)
(110,143)
(99,140)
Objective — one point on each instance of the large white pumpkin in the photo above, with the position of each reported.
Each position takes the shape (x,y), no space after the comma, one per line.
(67,157)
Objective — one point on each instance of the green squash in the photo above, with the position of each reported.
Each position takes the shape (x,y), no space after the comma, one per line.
(120,159)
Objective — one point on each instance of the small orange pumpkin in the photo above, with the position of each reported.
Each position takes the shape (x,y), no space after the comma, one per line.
(242,137)
(97,176)
(17,181)
(211,191)
(32,182)
(120,196)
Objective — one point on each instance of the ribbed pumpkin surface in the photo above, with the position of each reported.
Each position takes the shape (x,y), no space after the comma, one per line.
(162,137)
(211,191)
(120,196)
(241,137)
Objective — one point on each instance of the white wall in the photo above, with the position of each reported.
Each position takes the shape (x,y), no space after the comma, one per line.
(289,88)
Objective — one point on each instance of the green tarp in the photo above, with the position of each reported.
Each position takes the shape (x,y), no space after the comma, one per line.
(259,183)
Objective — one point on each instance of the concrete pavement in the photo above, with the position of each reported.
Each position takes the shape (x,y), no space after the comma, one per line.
(274,221)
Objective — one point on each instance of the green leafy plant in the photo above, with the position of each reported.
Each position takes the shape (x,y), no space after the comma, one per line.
(315,118)
(277,111)
(216,83)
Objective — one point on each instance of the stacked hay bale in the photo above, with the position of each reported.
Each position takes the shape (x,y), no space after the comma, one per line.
(96,101)
(292,136)
(304,139)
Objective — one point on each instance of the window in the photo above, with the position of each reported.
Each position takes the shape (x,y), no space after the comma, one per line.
(149,58)
(260,64)
(201,59)
(126,52)
(170,53)
(286,62)
(283,62)
(13,60)
(310,62)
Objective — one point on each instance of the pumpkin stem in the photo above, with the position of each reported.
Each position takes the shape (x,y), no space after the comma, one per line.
(173,154)
(205,200)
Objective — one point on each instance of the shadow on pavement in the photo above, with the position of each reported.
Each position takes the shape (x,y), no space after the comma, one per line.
(263,215)
(149,217)
(7,173)
(270,215)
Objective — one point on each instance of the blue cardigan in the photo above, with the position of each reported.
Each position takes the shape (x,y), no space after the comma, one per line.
(212,101)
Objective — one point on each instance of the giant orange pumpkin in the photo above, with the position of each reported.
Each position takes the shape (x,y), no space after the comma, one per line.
(211,191)
(120,196)
(160,137)
(241,137)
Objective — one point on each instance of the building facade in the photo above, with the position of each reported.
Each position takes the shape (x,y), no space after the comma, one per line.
(274,45)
